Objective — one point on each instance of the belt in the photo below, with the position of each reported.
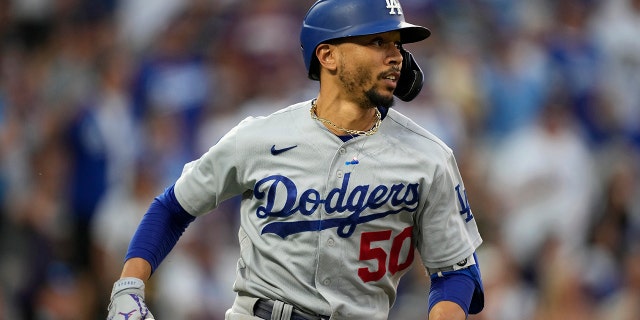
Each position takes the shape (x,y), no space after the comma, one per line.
(465,263)
(265,308)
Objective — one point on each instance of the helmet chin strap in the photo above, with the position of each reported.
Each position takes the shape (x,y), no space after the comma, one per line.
(411,78)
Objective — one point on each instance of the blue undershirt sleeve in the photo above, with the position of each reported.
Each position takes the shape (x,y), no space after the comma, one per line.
(159,230)
(463,287)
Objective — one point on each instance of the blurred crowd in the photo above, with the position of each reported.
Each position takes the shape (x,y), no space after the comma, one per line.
(103,101)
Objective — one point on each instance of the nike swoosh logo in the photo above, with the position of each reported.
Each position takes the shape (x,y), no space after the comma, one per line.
(276,152)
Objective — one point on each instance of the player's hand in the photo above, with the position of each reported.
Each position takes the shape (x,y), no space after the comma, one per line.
(127,301)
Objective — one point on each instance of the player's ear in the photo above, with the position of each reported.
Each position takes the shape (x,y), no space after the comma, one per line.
(326,56)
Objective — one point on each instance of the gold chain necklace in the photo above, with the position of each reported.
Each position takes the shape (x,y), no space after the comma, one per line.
(369,132)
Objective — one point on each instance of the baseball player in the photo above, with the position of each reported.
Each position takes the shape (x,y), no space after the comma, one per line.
(338,192)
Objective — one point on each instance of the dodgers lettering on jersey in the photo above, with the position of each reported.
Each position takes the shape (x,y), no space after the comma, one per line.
(393,199)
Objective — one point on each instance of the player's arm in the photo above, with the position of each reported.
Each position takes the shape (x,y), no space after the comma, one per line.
(456,292)
(136,268)
(447,310)
(157,234)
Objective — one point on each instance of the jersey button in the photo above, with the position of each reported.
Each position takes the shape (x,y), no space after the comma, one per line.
(339,174)
(343,151)
(326,282)
(331,242)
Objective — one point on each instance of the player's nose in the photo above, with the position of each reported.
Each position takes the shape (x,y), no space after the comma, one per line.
(394,55)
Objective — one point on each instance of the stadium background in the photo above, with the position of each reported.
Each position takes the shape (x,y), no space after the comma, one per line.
(103,101)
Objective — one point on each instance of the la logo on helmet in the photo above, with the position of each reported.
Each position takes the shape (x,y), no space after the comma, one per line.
(394,5)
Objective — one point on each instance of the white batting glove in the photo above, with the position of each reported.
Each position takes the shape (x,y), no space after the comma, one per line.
(127,301)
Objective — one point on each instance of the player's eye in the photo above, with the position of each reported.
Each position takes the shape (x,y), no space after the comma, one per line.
(378,42)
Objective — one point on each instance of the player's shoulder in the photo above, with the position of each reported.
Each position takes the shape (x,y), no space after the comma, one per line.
(274,126)
(276,116)
(409,133)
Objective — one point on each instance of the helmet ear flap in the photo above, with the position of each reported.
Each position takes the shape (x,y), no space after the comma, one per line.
(411,78)
(314,69)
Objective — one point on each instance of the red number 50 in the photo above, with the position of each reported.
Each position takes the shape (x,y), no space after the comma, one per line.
(367,252)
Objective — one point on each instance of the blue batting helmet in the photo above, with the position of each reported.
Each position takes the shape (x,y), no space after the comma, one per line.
(333,19)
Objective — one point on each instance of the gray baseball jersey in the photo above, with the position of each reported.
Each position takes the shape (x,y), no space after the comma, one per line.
(331,226)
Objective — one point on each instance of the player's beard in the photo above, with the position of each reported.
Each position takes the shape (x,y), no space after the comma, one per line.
(379,100)
(359,79)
